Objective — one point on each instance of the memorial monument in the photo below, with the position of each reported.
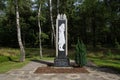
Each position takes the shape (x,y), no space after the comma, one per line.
(61,59)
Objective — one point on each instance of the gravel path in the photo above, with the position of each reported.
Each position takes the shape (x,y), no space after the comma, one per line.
(27,73)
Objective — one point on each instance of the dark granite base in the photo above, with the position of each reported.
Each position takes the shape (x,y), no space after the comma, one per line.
(61,62)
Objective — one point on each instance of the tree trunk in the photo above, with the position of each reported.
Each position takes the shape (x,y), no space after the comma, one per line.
(51,18)
(94,33)
(40,44)
(57,6)
(22,51)
(85,29)
(52,39)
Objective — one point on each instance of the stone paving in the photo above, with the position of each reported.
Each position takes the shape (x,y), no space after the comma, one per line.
(27,73)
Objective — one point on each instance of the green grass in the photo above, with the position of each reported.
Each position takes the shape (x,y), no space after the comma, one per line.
(48,58)
(6,66)
(108,63)
(14,55)
(102,58)
(44,58)
(106,58)
(33,52)
(9,52)
(9,65)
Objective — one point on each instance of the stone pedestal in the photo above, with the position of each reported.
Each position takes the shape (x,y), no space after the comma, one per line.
(61,59)
(61,62)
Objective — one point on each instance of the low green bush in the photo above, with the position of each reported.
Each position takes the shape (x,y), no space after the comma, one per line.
(4,59)
(80,55)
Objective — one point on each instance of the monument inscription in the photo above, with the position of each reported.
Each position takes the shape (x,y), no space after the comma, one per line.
(61,59)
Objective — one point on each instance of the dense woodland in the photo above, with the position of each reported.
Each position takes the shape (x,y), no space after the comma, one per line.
(95,22)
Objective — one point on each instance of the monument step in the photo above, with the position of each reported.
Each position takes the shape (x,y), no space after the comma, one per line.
(65,62)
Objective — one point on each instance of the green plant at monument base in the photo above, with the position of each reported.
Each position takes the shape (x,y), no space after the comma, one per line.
(80,55)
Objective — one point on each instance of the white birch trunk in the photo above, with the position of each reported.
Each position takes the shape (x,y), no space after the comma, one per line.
(51,18)
(52,39)
(40,44)
(22,51)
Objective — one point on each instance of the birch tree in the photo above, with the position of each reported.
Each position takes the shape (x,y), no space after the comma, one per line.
(39,25)
(51,18)
(22,51)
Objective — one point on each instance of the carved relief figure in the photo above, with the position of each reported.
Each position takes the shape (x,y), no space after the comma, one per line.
(61,37)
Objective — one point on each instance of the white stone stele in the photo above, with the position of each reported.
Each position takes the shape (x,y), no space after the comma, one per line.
(61,17)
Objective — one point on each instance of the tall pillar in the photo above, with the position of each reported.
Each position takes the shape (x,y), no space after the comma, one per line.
(61,59)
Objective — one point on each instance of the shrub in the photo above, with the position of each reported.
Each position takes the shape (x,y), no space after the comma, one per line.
(117,45)
(110,54)
(80,55)
(4,59)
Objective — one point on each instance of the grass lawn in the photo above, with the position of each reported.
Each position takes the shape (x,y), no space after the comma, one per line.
(6,66)
(9,57)
(9,65)
(108,60)
(108,63)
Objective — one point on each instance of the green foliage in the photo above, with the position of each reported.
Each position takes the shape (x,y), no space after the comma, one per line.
(6,66)
(33,54)
(117,44)
(3,59)
(80,55)
(9,52)
(44,36)
(7,58)
(10,61)
(109,54)
(94,21)
(108,63)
